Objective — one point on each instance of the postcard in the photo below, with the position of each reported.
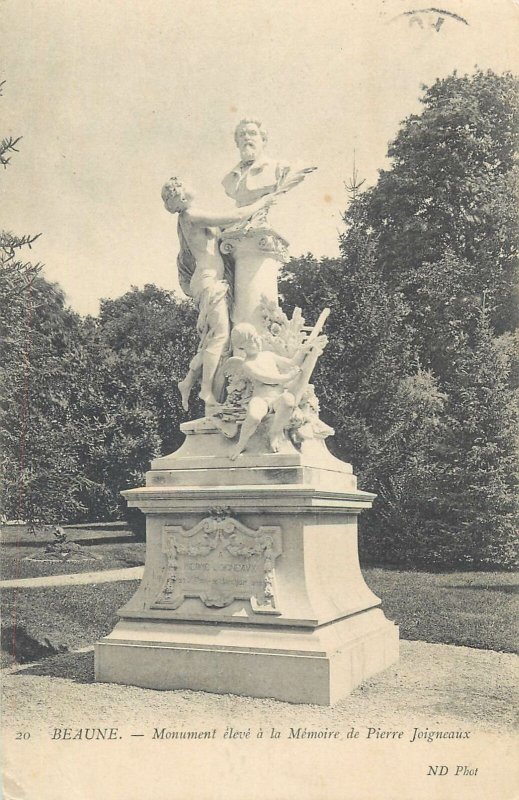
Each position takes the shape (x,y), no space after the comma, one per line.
(257,263)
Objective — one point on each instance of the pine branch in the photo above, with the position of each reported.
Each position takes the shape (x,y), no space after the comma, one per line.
(8,145)
(9,243)
(16,276)
(354,185)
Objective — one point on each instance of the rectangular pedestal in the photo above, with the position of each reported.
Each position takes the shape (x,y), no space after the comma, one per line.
(316,666)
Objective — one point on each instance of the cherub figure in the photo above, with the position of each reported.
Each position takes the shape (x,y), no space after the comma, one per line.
(278,382)
(202,276)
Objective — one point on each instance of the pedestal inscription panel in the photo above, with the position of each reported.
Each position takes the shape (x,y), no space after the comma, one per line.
(219,561)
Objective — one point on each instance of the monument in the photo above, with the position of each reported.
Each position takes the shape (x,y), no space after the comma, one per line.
(252,583)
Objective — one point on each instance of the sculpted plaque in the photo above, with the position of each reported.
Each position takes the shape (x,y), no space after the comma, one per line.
(219,561)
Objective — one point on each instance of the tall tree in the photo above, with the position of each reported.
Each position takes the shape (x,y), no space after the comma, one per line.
(452,188)
(404,471)
(423,298)
(38,406)
(17,286)
(477,491)
(140,347)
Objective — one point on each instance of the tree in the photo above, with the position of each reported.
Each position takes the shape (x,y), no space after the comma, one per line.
(477,490)
(143,330)
(38,406)
(88,403)
(418,372)
(17,278)
(139,348)
(404,472)
(452,188)
(16,275)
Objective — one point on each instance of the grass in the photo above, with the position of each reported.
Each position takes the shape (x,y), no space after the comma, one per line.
(67,617)
(475,609)
(100,549)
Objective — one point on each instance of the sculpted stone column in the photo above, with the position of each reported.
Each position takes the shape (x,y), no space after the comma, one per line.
(257,255)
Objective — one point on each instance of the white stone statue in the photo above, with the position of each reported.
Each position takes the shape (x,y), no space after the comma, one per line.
(231,613)
(255,175)
(278,382)
(268,378)
(257,250)
(201,272)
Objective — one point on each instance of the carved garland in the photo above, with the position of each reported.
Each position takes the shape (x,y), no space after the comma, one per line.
(220,530)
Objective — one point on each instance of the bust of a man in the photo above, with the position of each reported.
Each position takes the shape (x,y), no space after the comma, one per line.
(255,175)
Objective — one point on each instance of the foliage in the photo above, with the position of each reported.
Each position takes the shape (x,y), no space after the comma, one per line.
(404,472)
(419,378)
(452,188)
(87,404)
(133,410)
(478,488)
(38,406)
(16,274)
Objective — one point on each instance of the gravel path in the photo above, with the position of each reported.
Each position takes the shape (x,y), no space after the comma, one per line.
(101,576)
(434,688)
(432,685)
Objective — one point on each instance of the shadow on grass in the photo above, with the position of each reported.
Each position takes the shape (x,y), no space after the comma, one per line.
(25,648)
(505,588)
(50,660)
(127,538)
(77,667)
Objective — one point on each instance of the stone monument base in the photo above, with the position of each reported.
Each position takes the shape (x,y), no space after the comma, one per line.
(318,666)
(252,583)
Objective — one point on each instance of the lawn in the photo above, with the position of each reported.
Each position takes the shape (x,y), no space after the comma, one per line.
(475,609)
(23,553)
(41,622)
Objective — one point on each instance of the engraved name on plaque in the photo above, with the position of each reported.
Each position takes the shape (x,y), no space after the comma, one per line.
(219,561)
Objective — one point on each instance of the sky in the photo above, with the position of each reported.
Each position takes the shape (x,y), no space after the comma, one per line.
(112,97)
